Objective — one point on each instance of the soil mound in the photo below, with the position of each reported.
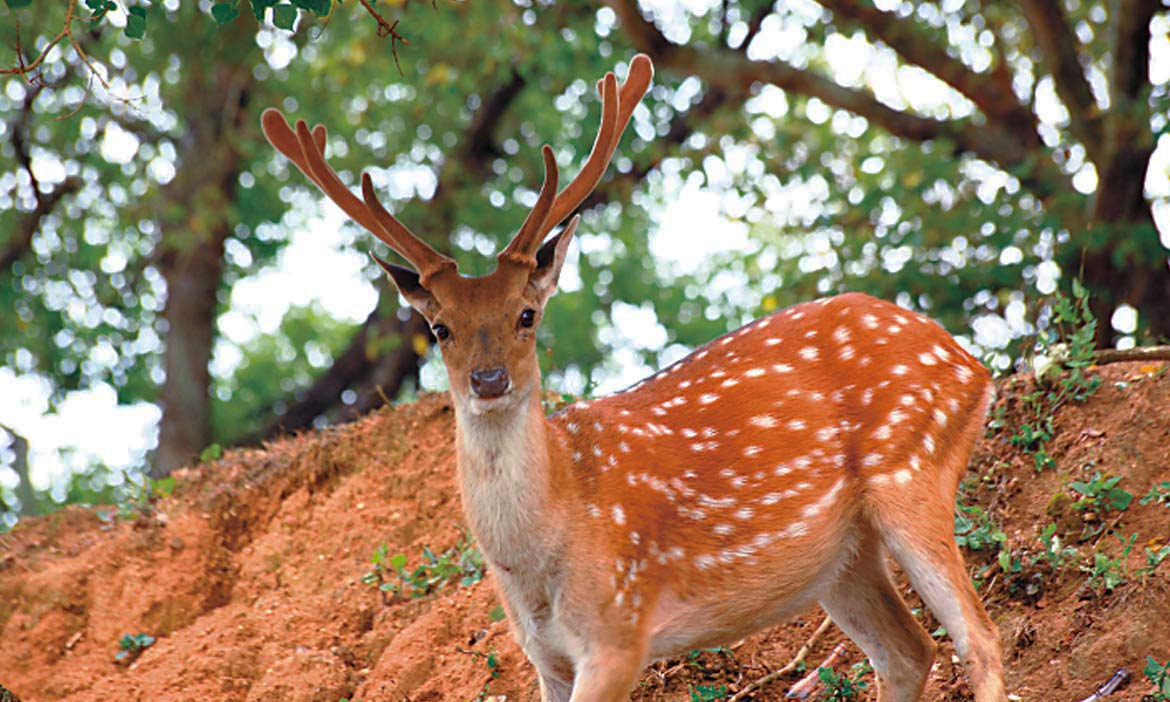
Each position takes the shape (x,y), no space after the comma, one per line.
(254,576)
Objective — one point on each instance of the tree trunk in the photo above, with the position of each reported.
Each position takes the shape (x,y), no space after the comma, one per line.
(192,277)
(24,489)
(199,202)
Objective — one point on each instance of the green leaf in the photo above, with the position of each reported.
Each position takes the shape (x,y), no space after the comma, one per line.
(497,614)
(224,12)
(260,8)
(398,561)
(136,22)
(317,7)
(17,4)
(284,16)
(211,453)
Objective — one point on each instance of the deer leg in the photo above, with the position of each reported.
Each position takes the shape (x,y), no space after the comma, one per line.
(865,604)
(607,675)
(554,688)
(936,570)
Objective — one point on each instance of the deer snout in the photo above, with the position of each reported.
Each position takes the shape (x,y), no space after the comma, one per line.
(490,382)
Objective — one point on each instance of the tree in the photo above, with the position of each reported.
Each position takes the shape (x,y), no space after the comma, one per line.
(944,172)
(960,201)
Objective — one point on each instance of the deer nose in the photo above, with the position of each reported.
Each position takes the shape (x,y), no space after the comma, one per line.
(490,382)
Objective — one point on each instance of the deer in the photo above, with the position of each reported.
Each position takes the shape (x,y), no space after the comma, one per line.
(777,466)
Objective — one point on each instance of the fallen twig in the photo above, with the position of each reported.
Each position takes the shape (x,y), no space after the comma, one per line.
(812,681)
(788,667)
(1138,353)
(1119,678)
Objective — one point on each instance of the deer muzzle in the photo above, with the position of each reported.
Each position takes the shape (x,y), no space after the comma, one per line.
(490,382)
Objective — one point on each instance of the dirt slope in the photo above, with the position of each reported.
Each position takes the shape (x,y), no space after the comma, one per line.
(249,575)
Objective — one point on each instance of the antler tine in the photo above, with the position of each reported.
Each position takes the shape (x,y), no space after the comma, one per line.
(285,140)
(522,248)
(426,260)
(633,88)
(306,149)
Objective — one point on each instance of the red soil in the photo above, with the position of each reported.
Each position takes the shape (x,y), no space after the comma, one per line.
(249,575)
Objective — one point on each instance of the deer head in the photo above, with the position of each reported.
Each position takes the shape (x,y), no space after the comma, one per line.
(485,326)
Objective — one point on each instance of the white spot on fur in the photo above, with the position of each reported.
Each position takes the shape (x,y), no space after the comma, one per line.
(763,421)
(619,515)
(708,398)
(809,353)
(782,368)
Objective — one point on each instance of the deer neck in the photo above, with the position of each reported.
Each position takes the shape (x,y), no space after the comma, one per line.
(507,481)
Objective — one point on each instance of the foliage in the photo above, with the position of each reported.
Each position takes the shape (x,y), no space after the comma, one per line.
(390,574)
(708,693)
(1108,573)
(975,530)
(1062,354)
(1159,676)
(842,687)
(1158,494)
(824,200)
(131,646)
(1100,494)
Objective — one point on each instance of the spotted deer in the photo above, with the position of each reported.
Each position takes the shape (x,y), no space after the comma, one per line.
(772,468)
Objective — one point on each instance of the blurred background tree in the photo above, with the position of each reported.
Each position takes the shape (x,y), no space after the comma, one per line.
(963,158)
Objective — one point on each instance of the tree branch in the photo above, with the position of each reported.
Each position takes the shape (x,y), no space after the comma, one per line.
(20,240)
(992,92)
(1058,46)
(737,73)
(1130,45)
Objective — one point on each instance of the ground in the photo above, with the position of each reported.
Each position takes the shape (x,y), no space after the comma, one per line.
(249,576)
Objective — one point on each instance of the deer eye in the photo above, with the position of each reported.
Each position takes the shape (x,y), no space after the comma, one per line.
(528,317)
(442,333)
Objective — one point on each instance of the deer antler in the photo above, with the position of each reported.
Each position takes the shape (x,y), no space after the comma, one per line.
(616,108)
(306,149)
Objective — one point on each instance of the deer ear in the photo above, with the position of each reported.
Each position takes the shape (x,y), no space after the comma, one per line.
(407,282)
(550,258)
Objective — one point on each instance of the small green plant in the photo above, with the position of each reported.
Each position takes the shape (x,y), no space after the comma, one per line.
(708,693)
(1100,494)
(497,614)
(390,574)
(1107,573)
(1062,354)
(842,687)
(212,452)
(1055,554)
(974,529)
(1158,494)
(131,646)
(1154,558)
(1159,676)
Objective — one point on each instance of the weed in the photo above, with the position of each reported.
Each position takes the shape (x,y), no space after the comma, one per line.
(841,687)
(974,529)
(463,561)
(1154,558)
(1158,494)
(1055,555)
(1109,573)
(1062,354)
(708,693)
(213,452)
(1100,494)
(1159,676)
(131,646)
